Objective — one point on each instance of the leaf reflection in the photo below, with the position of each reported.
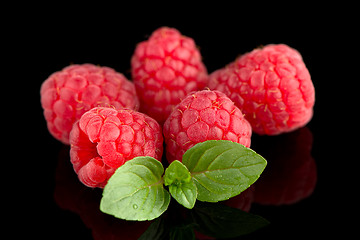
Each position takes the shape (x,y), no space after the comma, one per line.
(71,194)
(289,178)
(178,222)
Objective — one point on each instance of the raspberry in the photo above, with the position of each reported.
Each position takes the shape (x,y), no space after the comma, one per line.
(165,69)
(204,115)
(67,94)
(105,138)
(271,86)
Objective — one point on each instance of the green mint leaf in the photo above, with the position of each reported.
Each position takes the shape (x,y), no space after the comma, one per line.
(135,191)
(222,169)
(176,173)
(221,221)
(181,186)
(185,194)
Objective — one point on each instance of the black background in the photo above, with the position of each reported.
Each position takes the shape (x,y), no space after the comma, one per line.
(46,41)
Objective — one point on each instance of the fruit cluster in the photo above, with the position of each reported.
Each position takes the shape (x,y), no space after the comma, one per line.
(109,120)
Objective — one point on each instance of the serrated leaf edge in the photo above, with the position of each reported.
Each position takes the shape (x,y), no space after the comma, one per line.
(183,192)
(247,177)
(165,194)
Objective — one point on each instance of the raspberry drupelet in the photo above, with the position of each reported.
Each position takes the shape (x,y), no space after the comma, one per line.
(105,138)
(165,68)
(271,86)
(68,93)
(201,116)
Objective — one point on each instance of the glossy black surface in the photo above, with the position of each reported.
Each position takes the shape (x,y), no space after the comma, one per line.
(304,192)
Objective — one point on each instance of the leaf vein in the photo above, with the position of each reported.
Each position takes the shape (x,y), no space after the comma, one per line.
(153,173)
(220,169)
(195,179)
(214,160)
(138,189)
(202,155)
(217,182)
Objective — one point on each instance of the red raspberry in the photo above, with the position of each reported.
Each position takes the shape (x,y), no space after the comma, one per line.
(271,86)
(67,94)
(165,69)
(204,115)
(105,138)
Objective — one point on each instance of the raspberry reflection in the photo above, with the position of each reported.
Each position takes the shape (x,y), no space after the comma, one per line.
(291,174)
(70,194)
